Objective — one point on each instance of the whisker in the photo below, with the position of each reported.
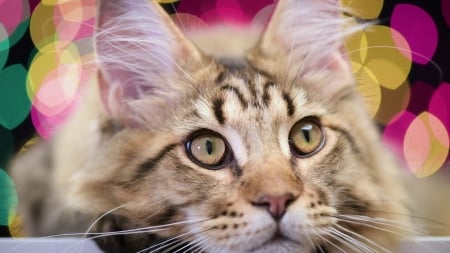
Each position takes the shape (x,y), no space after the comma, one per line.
(351,242)
(362,238)
(193,242)
(175,242)
(429,222)
(201,247)
(343,242)
(149,229)
(99,218)
(328,241)
(129,231)
(358,222)
(381,221)
(169,241)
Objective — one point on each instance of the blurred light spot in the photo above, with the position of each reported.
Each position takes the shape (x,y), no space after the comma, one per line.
(42,25)
(58,89)
(236,12)
(440,104)
(368,87)
(14,102)
(15,226)
(45,125)
(4,46)
(389,64)
(394,74)
(393,103)
(167,1)
(212,17)
(54,65)
(13,21)
(262,18)
(419,30)
(30,143)
(394,133)
(51,2)
(356,46)
(364,9)
(188,22)
(233,11)
(426,145)
(8,195)
(75,19)
(196,7)
(11,14)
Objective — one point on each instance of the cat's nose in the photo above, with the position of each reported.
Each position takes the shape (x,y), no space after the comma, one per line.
(276,205)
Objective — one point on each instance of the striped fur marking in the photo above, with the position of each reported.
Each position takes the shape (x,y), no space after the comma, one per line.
(218,110)
(151,163)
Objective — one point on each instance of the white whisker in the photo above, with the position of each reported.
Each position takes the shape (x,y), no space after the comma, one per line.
(363,238)
(351,242)
(170,241)
(328,241)
(381,221)
(358,222)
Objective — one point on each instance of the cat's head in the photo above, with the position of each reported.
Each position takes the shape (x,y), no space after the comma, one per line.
(266,152)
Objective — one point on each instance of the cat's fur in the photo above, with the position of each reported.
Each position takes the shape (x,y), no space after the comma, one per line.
(125,155)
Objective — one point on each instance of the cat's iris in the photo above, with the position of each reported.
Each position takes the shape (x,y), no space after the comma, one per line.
(306,137)
(207,149)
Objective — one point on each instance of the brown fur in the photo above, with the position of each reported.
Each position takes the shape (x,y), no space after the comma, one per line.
(100,161)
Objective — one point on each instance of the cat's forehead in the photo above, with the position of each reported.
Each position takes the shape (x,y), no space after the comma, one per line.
(240,72)
(239,68)
(244,93)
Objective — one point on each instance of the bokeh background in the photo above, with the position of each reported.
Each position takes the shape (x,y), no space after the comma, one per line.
(403,62)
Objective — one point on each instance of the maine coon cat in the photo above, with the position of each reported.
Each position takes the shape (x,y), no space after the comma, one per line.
(242,142)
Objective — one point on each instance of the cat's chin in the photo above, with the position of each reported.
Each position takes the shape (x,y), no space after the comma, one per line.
(281,245)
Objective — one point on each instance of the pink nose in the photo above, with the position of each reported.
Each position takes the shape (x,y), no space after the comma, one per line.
(276,205)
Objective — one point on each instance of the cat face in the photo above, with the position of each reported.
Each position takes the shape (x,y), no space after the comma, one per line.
(269,152)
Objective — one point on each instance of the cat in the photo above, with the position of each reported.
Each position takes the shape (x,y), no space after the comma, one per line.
(242,141)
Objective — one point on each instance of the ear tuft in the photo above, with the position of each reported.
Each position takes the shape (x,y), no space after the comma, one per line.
(139,51)
(307,37)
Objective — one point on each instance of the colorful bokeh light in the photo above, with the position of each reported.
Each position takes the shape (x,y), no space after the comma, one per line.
(391,60)
(419,29)
(426,145)
(14,103)
(8,196)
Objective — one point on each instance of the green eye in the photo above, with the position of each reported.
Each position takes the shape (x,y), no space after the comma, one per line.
(306,137)
(207,149)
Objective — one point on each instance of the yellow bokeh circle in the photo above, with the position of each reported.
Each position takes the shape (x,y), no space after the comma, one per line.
(426,145)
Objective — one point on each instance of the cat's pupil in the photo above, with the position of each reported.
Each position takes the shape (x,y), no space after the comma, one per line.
(209,147)
(307,133)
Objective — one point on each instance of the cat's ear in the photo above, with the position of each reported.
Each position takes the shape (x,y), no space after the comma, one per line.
(305,39)
(143,57)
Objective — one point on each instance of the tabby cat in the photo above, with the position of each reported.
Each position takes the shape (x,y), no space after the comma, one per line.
(219,140)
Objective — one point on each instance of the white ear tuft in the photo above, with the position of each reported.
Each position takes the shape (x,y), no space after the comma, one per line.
(138,49)
(307,37)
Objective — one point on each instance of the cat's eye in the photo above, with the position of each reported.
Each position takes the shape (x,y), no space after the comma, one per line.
(306,137)
(207,149)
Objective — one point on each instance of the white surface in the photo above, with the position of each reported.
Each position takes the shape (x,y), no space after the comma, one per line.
(41,245)
(75,245)
(426,245)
